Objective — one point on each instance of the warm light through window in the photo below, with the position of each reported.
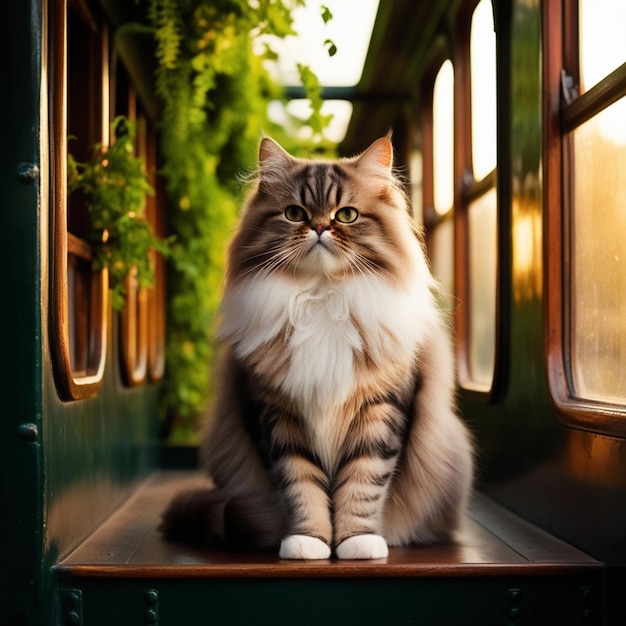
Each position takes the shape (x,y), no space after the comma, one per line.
(599,260)
(482,283)
(350,29)
(602,40)
(483,82)
(443,138)
(287,115)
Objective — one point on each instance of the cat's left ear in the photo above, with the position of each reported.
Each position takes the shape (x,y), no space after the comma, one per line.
(378,157)
(272,154)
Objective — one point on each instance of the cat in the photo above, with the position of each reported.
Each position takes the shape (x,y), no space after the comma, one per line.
(334,428)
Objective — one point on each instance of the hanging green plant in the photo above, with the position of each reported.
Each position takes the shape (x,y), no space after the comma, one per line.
(215,90)
(114,185)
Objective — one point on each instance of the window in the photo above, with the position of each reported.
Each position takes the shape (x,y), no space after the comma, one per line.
(80,85)
(142,320)
(459,191)
(586,196)
(78,59)
(476,200)
(443,139)
(438,175)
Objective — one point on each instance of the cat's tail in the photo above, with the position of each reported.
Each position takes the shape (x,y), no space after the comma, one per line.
(220,518)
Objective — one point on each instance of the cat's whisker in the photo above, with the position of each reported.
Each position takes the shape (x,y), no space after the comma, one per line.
(276,262)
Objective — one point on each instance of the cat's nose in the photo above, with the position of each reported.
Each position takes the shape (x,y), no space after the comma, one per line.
(319,228)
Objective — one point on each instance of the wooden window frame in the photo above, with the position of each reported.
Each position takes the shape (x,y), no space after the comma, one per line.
(563,111)
(155,212)
(142,320)
(72,383)
(134,316)
(431,217)
(466,190)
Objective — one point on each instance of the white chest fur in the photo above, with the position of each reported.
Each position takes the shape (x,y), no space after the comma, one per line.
(328,324)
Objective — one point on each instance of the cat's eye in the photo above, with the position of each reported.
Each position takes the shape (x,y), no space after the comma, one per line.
(295,213)
(346,215)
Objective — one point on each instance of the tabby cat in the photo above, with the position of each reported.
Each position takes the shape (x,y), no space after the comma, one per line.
(334,428)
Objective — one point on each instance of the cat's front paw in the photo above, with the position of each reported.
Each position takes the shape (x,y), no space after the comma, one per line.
(363,547)
(303,547)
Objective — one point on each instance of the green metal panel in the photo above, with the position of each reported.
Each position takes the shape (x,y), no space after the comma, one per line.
(533,601)
(20,322)
(64,466)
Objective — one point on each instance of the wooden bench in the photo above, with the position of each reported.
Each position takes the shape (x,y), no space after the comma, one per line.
(501,570)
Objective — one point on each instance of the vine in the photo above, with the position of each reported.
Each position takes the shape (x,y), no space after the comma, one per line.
(215,91)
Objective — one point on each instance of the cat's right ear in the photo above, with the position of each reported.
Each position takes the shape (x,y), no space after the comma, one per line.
(378,157)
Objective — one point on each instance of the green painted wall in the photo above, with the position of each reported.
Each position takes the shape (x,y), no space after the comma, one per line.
(64,466)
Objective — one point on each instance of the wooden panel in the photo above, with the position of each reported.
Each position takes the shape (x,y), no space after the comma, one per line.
(492,542)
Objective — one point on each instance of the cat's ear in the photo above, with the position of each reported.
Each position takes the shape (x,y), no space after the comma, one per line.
(379,156)
(272,155)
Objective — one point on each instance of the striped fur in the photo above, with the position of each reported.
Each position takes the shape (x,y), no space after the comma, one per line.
(336,395)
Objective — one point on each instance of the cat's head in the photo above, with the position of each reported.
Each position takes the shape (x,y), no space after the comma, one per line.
(324,218)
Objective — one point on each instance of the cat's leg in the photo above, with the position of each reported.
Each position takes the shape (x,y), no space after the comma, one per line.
(433,482)
(304,489)
(363,479)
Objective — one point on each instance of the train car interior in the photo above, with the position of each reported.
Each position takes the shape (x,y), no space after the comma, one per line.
(507,120)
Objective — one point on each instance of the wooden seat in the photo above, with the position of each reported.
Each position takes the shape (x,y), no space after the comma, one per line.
(496,553)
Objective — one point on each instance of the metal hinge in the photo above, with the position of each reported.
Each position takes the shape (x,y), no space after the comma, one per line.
(569,91)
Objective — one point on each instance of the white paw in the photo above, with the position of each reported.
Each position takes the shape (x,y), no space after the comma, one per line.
(363,547)
(303,547)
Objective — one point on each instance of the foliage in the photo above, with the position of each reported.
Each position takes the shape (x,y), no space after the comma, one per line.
(215,91)
(312,86)
(114,186)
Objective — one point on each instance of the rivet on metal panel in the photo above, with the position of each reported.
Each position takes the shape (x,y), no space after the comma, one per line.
(72,607)
(587,596)
(28,432)
(515,594)
(151,607)
(27,173)
(515,610)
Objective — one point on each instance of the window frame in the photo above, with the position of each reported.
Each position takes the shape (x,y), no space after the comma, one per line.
(431,218)
(72,384)
(142,320)
(467,190)
(563,111)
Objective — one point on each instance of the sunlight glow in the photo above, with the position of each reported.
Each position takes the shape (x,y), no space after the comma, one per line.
(301,109)
(483,83)
(443,138)
(350,29)
(602,50)
(602,41)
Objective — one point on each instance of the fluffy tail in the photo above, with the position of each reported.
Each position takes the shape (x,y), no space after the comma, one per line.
(220,519)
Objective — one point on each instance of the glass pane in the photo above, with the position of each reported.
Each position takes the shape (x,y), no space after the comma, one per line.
(599,257)
(416,177)
(483,82)
(602,41)
(441,253)
(482,288)
(443,138)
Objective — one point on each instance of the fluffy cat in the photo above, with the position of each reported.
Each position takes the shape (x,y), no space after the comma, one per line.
(334,427)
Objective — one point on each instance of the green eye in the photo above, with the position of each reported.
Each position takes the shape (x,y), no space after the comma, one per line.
(295,213)
(347,215)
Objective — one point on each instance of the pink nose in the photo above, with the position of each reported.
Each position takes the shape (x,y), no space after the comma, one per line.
(319,228)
